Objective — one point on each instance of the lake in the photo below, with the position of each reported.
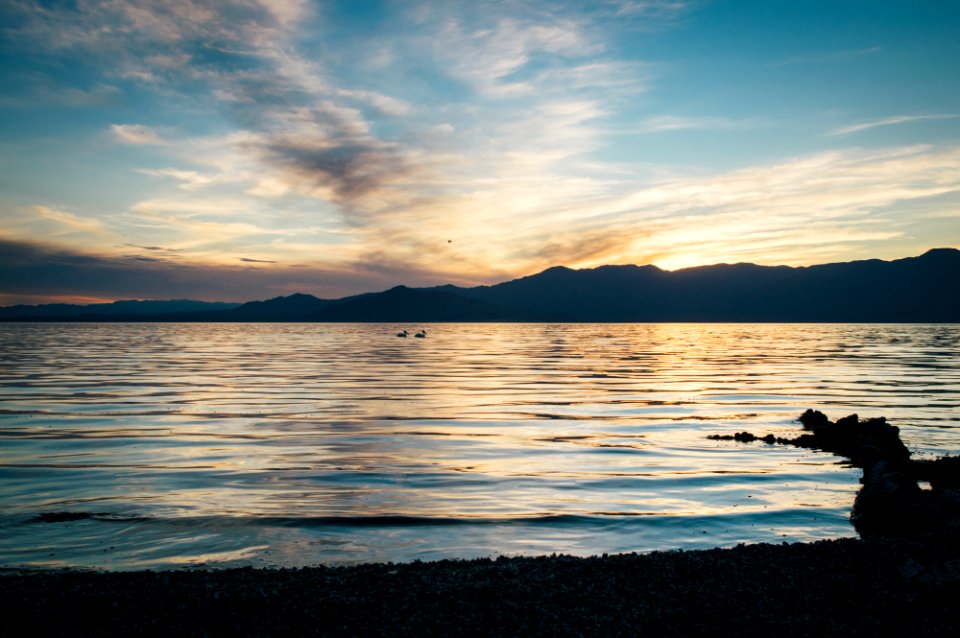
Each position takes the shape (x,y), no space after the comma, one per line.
(298,444)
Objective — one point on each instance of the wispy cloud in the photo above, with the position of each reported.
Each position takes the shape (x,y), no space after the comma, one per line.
(667,123)
(244,53)
(342,172)
(189,180)
(41,90)
(38,273)
(890,121)
(135,134)
(447,140)
(821,207)
(166,252)
(303,130)
(775,213)
(647,8)
(490,58)
(65,221)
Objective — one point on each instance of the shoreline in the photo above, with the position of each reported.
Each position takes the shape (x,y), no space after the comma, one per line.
(902,577)
(849,587)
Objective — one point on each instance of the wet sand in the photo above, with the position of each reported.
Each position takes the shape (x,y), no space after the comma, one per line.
(847,587)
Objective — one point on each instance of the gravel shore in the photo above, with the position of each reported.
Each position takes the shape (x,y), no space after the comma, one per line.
(847,587)
(902,578)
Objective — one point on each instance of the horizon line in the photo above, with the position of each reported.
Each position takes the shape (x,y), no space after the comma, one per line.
(91,301)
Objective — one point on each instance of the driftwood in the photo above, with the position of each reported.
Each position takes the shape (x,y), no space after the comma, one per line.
(891,501)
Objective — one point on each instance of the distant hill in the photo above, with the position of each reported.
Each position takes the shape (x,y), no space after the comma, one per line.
(296,307)
(924,288)
(915,289)
(124,307)
(411,304)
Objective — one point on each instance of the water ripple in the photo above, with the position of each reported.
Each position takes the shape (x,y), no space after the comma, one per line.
(293,444)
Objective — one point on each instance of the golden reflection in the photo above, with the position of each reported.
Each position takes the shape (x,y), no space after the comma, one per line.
(479,422)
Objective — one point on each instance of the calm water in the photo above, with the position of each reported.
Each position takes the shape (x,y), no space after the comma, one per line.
(297,444)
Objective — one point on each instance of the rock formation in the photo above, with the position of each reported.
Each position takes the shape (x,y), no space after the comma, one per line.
(891,501)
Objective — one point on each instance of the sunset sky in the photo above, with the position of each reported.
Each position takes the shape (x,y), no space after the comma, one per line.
(244,149)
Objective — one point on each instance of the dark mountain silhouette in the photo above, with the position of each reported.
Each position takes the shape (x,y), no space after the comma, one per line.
(920,289)
(123,307)
(925,288)
(295,307)
(616,293)
(411,305)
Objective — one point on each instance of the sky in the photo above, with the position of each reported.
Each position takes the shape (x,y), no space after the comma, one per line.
(244,149)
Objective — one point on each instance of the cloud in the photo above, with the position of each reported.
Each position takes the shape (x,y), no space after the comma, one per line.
(69,220)
(778,212)
(890,121)
(822,207)
(189,180)
(165,250)
(819,207)
(40,90)
(287,12)
(213,228)
(110,26)
(504,54)
(135,134)
(358,154)
(45,273)
(385,104)
(647,8)
(193,206)
(347,170)
(309,133)
(303,126)
(57,223)
(615,78)
(666,123)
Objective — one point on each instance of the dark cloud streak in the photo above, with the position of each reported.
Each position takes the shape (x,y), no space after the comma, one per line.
(170,252)
(240,59)
(351,169)
(37,273)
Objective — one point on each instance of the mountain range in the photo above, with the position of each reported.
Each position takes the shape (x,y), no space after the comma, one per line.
(915,289)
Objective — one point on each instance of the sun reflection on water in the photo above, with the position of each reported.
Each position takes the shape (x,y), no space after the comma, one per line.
(493,427)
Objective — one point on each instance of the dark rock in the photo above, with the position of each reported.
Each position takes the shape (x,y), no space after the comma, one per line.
(942,473)
(888,501)
(863,442)
(891,501)
(63,517)
(745,437)
(812,419)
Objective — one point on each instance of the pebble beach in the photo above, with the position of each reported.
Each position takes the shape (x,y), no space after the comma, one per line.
(845,587)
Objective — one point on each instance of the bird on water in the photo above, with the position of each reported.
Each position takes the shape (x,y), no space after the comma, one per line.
(422,334)
(402,334)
